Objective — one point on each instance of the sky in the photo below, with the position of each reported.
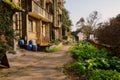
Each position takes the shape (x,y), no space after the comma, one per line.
(82,8)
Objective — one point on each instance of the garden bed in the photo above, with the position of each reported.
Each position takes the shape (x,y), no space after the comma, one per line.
(92,63)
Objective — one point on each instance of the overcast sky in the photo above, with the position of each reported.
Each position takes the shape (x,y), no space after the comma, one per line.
(82,8)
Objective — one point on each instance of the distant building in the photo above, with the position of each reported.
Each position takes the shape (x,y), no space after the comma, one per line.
(80,36)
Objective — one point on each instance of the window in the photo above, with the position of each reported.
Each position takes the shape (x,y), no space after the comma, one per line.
(43,27)
(16,22)
(30,25)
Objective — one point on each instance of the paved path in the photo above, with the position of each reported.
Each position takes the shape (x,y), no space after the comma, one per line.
(37,66)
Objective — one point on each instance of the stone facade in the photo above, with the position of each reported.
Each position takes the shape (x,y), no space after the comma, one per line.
(58,5)
(40,21)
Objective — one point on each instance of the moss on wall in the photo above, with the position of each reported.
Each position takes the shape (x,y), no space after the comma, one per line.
(13,5)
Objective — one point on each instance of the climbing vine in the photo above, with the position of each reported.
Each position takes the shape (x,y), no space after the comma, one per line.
(6,32)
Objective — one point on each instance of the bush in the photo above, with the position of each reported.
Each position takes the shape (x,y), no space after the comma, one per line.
(6,32)
(92,61)
(115,63)
(3,48)
(78,67)
(54,42)
(109,34)
(104,75)
(85,50)
(54,49)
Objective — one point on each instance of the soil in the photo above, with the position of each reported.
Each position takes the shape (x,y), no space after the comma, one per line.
(37,65)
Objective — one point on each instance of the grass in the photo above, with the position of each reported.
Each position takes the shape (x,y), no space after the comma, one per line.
(54,49)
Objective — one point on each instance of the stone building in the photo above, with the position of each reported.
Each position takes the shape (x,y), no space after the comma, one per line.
(58,5)
(39,21)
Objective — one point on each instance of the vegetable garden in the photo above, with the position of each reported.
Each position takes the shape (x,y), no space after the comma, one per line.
(92,63)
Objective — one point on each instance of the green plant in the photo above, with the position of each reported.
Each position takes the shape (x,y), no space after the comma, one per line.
(3,48)
(98,63)
(104,75)
(54,49)
(54,42)
(115,63)
(13,5)
(85,50)
(78,67)
(112,63)
(95,64)
(6,32)
(66,42)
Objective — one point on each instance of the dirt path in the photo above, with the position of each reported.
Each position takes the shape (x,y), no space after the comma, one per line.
(37,66)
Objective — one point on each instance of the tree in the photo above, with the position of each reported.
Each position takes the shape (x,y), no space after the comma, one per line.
(87,30)
(109,33)
(93,19)
(88,27)
(81,22)
(66,22)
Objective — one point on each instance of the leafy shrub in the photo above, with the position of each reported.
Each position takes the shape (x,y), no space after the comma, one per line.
(115,63)
(6,32)
(83,67)
(108,33)
(112,63)
(104,75)
(66,42)
(92,61)
(54,49)
(54,42)
(102,63)
(78,68)
(85,50)
(3,48)
(98,63)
